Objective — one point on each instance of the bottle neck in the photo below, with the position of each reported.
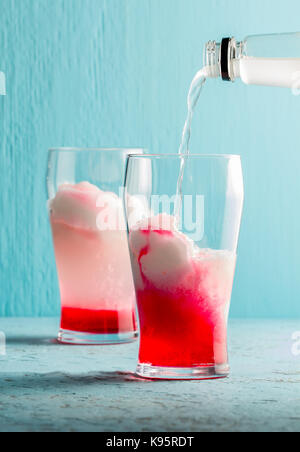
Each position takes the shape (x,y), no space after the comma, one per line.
(222,59)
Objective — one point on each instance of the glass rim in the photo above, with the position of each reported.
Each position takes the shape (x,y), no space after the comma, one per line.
(96,149)
(176,156)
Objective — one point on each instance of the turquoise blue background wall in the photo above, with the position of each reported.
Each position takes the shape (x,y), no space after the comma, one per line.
(116,72)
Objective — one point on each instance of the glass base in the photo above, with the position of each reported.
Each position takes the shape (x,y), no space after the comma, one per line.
(77,338)
(183,373)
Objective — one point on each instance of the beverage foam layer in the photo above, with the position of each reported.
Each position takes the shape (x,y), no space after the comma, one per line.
(85,206)
(167,258)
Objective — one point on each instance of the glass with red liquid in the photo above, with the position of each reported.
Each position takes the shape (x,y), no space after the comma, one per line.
(183,255)
(90,243)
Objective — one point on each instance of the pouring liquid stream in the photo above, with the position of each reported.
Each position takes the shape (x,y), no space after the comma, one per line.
(184,149)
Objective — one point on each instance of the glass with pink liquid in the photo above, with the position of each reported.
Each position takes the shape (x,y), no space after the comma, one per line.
(85,188)
(183,254)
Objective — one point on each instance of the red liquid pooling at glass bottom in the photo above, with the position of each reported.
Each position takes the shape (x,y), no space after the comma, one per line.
(98,321)
(175,332)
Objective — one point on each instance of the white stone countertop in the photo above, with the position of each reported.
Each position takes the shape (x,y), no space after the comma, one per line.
(45,386)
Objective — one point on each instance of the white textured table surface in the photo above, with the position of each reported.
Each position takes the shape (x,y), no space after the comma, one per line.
(45,386)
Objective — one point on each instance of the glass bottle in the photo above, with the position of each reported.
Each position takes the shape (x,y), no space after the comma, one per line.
(269,60)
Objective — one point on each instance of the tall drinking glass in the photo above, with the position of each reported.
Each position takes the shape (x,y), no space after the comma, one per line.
(85,188)
(183,239)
